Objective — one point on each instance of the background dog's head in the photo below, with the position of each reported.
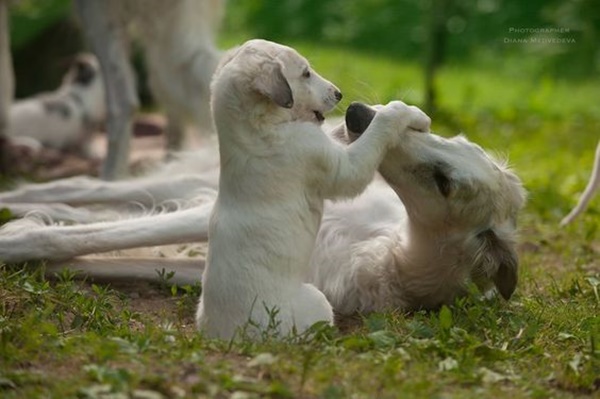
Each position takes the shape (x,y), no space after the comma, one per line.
(85,85)
(267,83)
(84,71)
(453,188)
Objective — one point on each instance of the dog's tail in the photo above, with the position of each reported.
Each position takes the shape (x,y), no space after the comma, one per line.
(587,195)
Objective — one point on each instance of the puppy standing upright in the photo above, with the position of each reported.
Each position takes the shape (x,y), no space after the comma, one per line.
(277,167)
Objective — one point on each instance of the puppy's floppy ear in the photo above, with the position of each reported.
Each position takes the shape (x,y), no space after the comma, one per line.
(272,84)
(498,259)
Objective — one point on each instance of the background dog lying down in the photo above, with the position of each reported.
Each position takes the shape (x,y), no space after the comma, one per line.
(444,216)
(63,119)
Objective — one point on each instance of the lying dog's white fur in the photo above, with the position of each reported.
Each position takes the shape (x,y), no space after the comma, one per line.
(456,223)
(63,119)
(591,188)
(277,168)
(444,216)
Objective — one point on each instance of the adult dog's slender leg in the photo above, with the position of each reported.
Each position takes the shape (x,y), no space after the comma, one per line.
(175,134)
(592,186)
(6,80)
(107,42)
(23,240)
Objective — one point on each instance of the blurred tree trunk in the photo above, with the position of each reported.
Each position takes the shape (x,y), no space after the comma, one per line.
(6,81)
(435,51)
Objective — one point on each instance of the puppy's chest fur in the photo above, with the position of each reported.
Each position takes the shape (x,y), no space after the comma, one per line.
(269,199)
(278,187)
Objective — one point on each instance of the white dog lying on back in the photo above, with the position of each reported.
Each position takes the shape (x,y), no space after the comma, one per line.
(277,168)
(63,119)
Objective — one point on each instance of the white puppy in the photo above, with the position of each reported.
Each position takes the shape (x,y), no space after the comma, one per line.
(63,119)
(277,168)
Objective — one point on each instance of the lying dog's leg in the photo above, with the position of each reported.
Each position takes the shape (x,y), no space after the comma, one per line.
(6,80)
(592,186)
(25,239)
(187,271)
(67,190)
(85,190)
(107,43)
(59,212)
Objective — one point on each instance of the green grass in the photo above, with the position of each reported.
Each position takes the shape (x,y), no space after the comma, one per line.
(64,338)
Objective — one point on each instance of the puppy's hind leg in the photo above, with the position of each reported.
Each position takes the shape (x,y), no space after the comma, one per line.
(106,39)
(311,306)
(592,186)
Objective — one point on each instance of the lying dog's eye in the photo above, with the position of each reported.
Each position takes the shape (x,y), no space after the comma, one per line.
(442,181)
(306,73)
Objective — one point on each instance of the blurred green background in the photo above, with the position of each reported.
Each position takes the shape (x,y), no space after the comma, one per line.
(481,32)
(519,77)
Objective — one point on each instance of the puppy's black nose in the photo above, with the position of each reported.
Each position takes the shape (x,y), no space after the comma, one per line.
(359,117)
(338,95)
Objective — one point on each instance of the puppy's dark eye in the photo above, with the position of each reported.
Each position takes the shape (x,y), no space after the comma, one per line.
(442,181)
(306,73)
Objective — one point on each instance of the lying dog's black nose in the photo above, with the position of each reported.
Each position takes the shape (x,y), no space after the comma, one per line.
(358,117)
(338,95)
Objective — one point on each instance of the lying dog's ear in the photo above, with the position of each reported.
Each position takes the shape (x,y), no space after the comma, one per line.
(498,259)
(272,84)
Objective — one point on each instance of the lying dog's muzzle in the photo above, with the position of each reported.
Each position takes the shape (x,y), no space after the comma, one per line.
(359,117)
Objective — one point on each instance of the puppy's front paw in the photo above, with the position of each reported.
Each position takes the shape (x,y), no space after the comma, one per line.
(419,120)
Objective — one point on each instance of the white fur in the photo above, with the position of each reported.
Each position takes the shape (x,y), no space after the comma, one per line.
(62,119)
(591,189)
(398,245)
